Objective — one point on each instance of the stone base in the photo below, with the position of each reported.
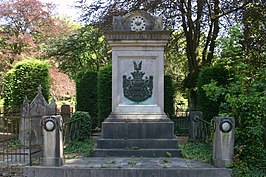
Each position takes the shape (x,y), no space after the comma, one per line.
(52,161)
(146,135)
(128,167)
(221,163)
(137,153)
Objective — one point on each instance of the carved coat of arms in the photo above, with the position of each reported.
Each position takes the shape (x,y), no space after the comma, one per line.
(137,89)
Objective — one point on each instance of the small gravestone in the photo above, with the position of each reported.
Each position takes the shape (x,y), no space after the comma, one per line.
(137,125)
(65,112)
(31,113)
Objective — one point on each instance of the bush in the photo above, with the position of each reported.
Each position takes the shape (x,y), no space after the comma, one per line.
(8,88)
(86,94)
(169,93)
(79,126)
(104,93)
(23,79)
(217,74)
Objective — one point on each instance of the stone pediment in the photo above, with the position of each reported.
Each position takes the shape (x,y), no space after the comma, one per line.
(137,21)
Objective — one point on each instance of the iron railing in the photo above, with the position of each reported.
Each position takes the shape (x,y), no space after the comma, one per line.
(182,126)
(16,146)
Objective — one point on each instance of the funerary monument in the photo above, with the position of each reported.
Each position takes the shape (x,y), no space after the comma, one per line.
(137,125)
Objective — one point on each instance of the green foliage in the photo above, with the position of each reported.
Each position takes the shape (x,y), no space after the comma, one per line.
(8,87)
(83,50)
(247,103)
(169,93)
(208,78)
(14,144)
(86,94)
(104,92)
(81,121)
(245,100)
(23,79)
(197,151)
(75,148)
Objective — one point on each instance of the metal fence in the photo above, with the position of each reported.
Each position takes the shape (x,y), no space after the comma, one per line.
(17,143)
(183,127)
(181,123)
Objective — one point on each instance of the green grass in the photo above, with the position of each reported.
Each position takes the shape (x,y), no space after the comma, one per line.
(78,148)
(197,151)
(203,152)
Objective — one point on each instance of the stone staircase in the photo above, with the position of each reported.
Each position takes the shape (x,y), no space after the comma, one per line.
(138,138)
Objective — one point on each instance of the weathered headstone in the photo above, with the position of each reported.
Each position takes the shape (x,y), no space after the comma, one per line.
(30,128)
(137,125)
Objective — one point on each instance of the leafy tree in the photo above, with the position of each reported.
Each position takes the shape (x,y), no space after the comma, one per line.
(199,21)
(83,50)
(26,27)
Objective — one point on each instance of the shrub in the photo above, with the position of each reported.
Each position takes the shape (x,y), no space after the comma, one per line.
(79,126)
(104,92)
(169,93)
(23,80)
(217,74)
(86,93)
(7,91)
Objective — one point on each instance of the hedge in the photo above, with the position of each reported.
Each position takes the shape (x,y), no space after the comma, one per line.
(86,93)
(23,79)
(104,92)
(169,94)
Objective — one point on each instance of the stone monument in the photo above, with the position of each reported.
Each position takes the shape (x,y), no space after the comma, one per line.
(137,125)
(30,132)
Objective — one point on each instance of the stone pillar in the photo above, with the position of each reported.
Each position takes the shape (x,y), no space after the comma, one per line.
(137,119)
(52,141)
(194,117)
(223,141)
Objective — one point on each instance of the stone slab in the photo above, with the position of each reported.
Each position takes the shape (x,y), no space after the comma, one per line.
(136,152)
(137,143)
(138,130)
(129,167)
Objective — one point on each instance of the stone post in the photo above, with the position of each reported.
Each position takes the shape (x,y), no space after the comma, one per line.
(65,112)
(223,141)
(52,127)
(194,117)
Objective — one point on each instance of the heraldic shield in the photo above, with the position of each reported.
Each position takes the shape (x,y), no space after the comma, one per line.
(137,89)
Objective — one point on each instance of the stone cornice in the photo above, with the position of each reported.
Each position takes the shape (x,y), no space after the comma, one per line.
(137,35)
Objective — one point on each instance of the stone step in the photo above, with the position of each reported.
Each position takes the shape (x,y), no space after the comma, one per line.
(136,152)
(137,143)
(137,130)
(128,167)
